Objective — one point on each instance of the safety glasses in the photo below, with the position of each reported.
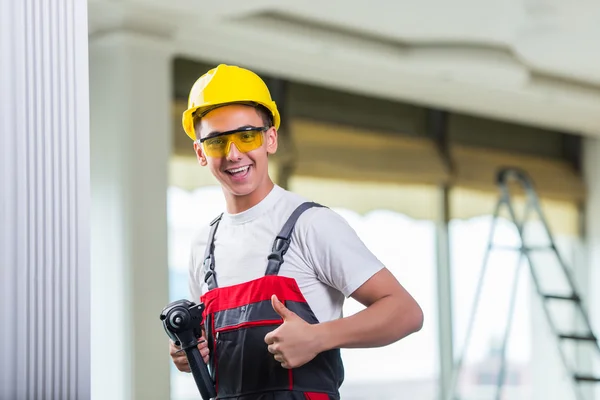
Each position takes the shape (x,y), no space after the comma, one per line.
(245,139)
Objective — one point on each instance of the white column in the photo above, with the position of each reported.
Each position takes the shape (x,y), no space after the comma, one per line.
(444,294)
(591,158)
(130,78)
(44,200)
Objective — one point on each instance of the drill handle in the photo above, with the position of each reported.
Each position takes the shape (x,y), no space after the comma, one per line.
(200,373)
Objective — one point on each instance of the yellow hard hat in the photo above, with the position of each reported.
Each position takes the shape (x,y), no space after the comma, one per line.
(226,84)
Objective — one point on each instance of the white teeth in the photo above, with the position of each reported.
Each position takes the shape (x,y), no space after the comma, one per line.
(240,169)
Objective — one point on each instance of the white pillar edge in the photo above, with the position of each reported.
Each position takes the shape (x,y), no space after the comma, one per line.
(44,206)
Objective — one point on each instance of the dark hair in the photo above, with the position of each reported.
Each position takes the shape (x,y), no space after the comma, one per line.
(262,111)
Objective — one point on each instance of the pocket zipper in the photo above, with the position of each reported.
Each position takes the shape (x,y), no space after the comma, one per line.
(247,324)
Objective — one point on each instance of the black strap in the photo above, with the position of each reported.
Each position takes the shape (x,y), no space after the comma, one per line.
(209,255)
(282,241)
(275,259)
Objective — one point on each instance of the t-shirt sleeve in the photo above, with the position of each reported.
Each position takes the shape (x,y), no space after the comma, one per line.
(194,286)
(337,254)
(195,277)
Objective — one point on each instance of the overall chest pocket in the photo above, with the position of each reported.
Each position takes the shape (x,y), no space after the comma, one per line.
(244,365)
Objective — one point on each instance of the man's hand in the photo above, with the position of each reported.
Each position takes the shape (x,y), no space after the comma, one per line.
(179,358)
(293,343)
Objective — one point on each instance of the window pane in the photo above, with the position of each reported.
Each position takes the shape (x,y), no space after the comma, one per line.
(408,369)
(468,241)
(534,369)
(396,223)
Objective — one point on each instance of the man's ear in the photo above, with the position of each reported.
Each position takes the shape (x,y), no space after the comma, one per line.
(271,136)
(200,154)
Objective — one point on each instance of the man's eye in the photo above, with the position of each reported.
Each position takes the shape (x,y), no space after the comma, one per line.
(215,142)
(249,136)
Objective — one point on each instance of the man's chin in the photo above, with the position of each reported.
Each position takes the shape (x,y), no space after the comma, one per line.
(240,186)
(240,189)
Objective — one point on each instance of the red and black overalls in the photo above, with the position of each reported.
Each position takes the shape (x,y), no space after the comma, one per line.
(238,317)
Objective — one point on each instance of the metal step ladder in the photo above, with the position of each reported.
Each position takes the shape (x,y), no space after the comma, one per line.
(583,334)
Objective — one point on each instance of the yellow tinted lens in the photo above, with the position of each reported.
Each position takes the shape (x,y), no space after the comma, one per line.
(244,141)
(216,147)
(247,141)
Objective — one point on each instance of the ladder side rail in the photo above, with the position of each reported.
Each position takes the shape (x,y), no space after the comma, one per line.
(507,329)
(474,307)
(520,225)
(567,271)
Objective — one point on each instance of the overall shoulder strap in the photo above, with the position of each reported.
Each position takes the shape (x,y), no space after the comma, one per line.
(209,255)
(282,241)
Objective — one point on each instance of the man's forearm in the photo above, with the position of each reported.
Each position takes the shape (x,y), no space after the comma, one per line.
(384,322)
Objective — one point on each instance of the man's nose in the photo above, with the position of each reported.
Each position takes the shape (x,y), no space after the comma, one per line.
(233,154)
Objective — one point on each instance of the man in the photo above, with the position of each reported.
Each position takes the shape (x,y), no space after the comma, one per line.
(273,270)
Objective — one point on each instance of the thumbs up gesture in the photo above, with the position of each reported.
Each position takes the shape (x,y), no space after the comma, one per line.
(293,343)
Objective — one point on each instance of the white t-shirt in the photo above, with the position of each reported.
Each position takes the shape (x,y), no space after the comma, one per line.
(326,257)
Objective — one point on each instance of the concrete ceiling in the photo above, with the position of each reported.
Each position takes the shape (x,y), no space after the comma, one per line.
(535,62)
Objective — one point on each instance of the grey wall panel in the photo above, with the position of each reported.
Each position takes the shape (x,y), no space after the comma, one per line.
(44,205)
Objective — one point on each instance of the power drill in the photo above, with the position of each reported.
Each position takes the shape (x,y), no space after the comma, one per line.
(182,321)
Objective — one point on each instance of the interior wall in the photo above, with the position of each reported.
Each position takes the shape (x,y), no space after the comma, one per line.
(473,131)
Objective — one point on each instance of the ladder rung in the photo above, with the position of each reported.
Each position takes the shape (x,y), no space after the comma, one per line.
(519,248)
(586,378)
(512,248)
(573,297)
(589,337)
